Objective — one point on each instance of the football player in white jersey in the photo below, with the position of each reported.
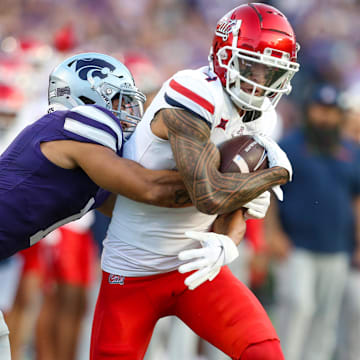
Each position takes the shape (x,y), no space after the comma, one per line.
(148,250)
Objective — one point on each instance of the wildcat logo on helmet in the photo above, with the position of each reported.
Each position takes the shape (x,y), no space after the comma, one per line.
(224,27)
(85,65)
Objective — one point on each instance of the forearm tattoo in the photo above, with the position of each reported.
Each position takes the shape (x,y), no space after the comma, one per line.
(198,160)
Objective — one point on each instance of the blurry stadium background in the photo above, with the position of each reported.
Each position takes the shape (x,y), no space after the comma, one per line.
(171,34)
(156,38)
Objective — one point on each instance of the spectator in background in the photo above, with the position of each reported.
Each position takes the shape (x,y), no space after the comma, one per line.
(311,232)
(349,324)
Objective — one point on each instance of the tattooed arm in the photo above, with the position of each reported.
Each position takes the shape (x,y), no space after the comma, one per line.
(198,160)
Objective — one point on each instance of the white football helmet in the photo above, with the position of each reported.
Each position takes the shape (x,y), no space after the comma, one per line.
(92,78)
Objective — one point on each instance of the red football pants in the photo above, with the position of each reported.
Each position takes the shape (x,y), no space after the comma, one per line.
(223,312)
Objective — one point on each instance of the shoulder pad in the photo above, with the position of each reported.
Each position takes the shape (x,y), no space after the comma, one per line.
(94,124)
(189,90)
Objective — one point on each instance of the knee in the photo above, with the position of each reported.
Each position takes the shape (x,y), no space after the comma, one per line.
(266,350)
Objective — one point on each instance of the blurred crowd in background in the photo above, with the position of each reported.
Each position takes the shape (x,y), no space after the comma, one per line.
(171,34)
(156,38)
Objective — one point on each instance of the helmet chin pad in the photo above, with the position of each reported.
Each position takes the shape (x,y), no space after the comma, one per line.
(248,101)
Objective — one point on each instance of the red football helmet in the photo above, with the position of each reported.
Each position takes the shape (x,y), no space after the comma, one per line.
(254,54)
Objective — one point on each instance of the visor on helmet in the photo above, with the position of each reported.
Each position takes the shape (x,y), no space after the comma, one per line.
(263,75)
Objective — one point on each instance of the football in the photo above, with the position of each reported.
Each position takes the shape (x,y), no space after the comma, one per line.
(242,154)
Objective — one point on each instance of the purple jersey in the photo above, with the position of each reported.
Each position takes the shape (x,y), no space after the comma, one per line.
(36,195)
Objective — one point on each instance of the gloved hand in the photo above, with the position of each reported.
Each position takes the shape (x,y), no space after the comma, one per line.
(257,208)
(216,251)
(278,192)
(200,276)
(276,157)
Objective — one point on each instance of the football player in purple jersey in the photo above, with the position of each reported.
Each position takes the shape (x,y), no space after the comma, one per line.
(69,161)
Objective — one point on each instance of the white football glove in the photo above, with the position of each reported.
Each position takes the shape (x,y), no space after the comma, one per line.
(257,208)
(278,192)
(276,157)
(217,250)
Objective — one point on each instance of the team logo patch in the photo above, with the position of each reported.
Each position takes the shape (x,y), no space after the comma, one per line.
(225,27)
(94,65)
(223,123)
(116,279)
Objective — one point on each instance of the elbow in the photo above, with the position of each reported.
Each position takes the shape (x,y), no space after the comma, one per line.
(206,200)
(217,205)
(206,210)
(209,206)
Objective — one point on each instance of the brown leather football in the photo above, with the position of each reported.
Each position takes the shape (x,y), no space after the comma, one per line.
(242,154)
